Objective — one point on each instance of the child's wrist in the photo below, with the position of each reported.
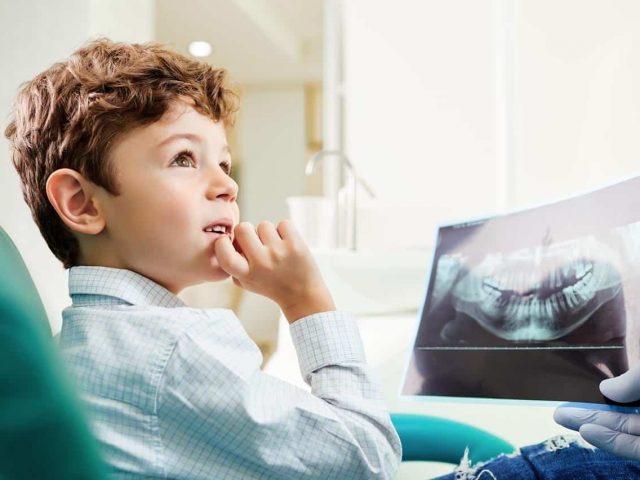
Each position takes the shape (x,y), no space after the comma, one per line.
(308,304)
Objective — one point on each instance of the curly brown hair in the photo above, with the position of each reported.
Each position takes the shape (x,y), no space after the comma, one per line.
(71,115)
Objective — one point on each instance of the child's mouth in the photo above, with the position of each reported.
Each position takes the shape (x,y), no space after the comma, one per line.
(220,229)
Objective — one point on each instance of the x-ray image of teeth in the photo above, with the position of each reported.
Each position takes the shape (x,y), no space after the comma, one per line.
(535,294)
(540,304)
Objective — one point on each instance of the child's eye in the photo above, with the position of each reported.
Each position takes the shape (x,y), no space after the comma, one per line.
(184,159)
(226,166)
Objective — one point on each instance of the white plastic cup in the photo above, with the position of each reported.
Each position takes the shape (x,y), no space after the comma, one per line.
(314,217)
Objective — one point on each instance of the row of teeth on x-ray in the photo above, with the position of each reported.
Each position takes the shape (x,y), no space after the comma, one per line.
(519,309)
(521,282)
(627,239)
(544,292)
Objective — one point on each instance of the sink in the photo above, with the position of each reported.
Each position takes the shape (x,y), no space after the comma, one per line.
(371,282)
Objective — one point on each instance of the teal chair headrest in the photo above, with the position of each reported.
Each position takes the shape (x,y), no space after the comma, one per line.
(16,286)
(432,439)
(43,433)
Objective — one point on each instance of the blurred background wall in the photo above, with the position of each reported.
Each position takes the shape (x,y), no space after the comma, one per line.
(468,107)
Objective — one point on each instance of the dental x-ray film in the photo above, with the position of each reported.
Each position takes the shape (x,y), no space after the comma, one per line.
(540,304)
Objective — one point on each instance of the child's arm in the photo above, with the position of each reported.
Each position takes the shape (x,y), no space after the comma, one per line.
(220,416)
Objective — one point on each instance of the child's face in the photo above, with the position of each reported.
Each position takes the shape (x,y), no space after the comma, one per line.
(173,180)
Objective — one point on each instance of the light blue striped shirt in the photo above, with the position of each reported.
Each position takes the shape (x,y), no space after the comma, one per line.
(177,392)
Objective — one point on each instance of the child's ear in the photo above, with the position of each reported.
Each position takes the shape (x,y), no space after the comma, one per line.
(72,197)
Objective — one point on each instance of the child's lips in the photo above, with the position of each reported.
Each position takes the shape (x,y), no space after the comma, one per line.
(216,235)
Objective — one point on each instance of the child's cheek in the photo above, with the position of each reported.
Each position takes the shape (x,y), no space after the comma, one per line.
(177,215)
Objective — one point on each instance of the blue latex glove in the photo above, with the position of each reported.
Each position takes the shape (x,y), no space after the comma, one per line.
(615,432)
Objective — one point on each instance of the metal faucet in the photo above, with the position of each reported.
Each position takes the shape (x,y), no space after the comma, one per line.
(354,179)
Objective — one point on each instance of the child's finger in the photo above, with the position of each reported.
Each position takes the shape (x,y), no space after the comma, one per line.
(229,260)
(247,239)
(292,237)
(267,233)
(287,231)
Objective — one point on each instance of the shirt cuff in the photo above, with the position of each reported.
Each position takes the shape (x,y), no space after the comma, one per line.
(327,338)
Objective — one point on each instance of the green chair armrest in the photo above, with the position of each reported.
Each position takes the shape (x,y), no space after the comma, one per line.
(426,438)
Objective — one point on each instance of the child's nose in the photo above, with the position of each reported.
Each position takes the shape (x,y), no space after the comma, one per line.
(222,186)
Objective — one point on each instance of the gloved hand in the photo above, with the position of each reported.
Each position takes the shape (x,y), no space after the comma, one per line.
(615,432)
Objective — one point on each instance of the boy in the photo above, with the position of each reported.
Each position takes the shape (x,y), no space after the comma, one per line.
(123,159)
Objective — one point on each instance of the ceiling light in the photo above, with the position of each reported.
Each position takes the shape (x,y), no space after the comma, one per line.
(200,49)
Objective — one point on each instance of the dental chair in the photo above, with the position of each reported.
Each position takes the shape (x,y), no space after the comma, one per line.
(44,433)
(431,439)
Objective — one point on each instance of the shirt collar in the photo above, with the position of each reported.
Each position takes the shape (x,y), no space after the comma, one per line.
(115,285)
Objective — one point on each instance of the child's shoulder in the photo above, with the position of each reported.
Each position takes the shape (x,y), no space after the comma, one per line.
(147,323)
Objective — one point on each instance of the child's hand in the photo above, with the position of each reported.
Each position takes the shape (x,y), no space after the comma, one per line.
(275,262)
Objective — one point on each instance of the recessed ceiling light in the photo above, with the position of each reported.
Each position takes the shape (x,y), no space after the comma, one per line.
(200,49)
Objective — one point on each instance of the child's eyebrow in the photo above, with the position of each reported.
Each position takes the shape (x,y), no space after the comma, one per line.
(176,136)
(189,136)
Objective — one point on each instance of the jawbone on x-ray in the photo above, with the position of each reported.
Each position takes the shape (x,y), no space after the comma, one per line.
(534,294)
(540,304)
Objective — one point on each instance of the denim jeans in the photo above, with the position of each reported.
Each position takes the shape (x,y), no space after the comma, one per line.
(559,458)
